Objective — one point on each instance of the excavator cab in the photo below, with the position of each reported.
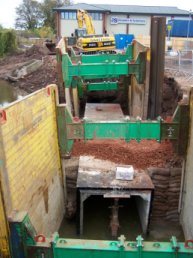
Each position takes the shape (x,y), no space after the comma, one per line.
(80,33)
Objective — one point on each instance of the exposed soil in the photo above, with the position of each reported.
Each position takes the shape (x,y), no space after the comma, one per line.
(41,78)
(141,155)
(172,94)
(45,75)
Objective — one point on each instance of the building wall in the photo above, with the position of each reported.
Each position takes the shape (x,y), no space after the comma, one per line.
(68,27)
(30,167)
(187,207)
(140,29)
(117,28)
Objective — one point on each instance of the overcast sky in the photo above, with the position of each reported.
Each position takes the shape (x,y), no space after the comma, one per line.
(7,7)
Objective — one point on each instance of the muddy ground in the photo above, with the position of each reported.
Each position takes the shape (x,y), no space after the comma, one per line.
(47,74)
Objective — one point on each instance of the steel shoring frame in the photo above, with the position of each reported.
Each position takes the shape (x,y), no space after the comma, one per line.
(26,243)
(69,248)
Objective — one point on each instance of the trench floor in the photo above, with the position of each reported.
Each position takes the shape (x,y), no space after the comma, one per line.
(97,219)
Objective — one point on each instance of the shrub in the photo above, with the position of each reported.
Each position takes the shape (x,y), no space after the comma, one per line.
(8,42)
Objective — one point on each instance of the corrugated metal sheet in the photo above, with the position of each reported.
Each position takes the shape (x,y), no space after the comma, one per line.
(131,9)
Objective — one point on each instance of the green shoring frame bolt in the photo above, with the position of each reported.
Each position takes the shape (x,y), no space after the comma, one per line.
(121,241)
(174,243)
(139,241)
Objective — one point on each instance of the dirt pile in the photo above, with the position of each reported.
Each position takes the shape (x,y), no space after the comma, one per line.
(36,52)
(45,75)
(141,155)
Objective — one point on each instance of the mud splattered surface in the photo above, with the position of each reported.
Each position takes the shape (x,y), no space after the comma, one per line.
(141,155)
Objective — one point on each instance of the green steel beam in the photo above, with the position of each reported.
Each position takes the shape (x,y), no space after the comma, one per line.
(69,248)
(127,130)
(103,66)
(176,130)
(25,243)
(102,86)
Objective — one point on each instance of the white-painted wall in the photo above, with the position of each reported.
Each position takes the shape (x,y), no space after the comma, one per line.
(68,27)
(140,29)
(117,28)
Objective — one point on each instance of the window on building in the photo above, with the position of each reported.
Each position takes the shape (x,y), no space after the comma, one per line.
(68,15)
(72,16)
(96,16)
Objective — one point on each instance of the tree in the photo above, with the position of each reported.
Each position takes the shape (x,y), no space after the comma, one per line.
(67,2)
(47,11)
(29,15)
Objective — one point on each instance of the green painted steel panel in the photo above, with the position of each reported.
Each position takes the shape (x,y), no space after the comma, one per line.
(102,86)
(122,130)
(102,58)
(105,58)
(90,70)
(103,249)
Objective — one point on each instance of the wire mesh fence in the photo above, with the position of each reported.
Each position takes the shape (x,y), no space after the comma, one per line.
(181,61)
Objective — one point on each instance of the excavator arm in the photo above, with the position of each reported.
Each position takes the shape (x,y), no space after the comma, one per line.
(84,18)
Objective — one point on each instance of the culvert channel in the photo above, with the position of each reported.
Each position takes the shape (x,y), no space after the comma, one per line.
(157,161)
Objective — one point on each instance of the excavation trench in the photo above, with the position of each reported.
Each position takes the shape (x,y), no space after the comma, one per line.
(87,203)
(157,160)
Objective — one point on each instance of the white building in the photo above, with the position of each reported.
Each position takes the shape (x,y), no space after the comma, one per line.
(117,19)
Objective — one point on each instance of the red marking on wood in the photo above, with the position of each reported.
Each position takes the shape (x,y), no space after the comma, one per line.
(3,116)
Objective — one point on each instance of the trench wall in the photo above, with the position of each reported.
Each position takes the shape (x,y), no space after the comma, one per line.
(187,207)
(30,167)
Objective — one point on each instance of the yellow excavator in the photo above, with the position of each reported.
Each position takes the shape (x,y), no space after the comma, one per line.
(87,40)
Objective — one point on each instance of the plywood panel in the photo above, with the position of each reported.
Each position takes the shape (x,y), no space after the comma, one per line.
(31,160)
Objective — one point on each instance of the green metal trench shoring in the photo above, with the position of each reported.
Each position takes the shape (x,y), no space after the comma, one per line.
(106,66)
(102,86)
(26,243)
(125,129)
